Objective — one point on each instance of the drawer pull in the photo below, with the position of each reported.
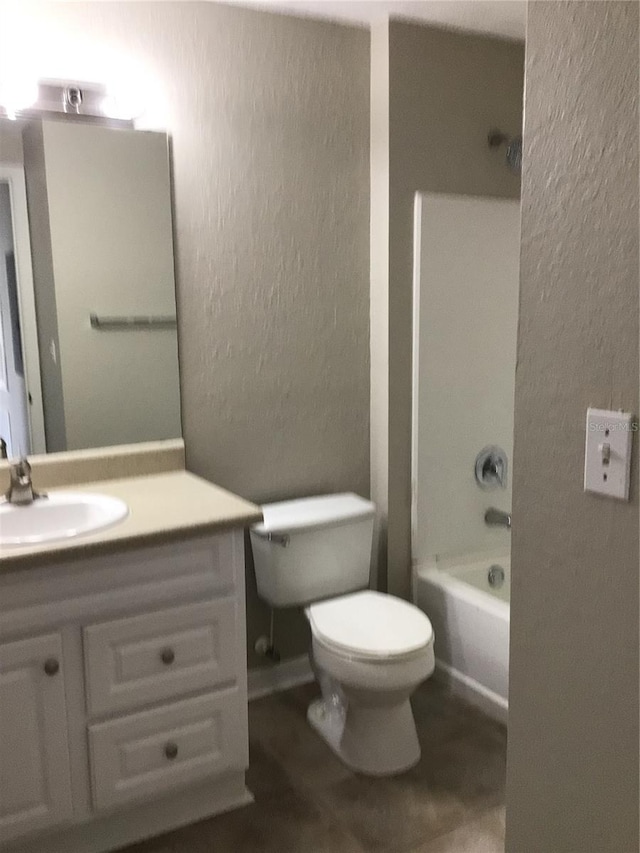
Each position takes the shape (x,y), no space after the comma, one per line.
(167,656)
(51,666)
(171,750)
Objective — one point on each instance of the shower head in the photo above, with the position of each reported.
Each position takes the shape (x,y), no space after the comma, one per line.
(496,138)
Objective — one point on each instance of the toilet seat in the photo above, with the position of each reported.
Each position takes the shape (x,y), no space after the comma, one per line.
(370,626)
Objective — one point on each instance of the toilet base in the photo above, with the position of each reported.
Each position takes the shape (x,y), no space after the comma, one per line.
(376,741)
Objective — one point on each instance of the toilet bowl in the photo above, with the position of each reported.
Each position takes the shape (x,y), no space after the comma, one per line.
(369,651)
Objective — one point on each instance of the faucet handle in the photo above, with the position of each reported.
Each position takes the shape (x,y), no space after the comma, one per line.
(22,469)
(21,491)
(491,468)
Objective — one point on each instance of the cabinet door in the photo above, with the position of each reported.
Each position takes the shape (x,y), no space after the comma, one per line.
(35,779)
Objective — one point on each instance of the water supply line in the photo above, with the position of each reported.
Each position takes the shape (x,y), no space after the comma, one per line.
(265,646)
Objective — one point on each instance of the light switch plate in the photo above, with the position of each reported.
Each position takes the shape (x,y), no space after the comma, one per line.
(607,456)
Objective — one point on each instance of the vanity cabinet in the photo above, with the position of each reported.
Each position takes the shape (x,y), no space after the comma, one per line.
(123,695)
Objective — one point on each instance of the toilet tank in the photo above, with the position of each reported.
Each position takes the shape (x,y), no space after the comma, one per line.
(312,548)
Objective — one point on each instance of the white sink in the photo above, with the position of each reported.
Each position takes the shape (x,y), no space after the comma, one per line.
(61,515)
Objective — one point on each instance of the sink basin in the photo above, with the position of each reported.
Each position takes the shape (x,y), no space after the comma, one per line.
(61,515)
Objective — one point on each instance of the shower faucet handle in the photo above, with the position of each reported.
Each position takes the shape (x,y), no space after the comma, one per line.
(491,468)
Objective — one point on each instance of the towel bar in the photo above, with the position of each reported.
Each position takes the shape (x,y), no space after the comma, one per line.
(134,322)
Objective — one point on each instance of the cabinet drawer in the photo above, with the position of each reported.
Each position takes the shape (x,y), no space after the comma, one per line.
(157,656)
(151,752)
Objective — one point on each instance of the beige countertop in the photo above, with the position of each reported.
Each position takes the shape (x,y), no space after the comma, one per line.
(163,507)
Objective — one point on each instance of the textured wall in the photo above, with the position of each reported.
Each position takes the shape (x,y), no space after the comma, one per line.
(10,142)
(573,715)
(446,91)
(269,119)
(379,287)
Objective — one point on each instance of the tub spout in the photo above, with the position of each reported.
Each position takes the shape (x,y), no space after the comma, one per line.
(497,518)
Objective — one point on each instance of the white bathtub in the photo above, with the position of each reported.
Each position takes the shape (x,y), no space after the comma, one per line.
(471,624)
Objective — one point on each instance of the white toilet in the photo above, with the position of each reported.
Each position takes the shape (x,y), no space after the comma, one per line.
(370,650)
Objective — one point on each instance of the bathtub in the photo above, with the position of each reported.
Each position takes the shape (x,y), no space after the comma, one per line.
(470,619)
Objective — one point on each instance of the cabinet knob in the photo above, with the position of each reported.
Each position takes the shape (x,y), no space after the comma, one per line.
(167,656)
(51,666)
(171,750)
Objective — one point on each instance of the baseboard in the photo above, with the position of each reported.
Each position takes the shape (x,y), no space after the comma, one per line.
(279,676)
(492,704)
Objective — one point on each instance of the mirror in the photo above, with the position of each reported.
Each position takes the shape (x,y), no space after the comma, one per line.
(88,336)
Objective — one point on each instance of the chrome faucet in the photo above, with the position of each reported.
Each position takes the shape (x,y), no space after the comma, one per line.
(21,491)
(497,518)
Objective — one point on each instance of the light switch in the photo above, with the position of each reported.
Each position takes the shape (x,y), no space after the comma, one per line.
(607,457)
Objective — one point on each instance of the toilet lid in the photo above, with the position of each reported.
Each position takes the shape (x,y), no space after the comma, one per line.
(371,624)
(313,513)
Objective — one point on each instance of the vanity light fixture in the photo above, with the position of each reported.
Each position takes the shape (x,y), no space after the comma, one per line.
(89,100)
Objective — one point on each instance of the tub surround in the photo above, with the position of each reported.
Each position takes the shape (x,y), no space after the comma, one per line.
(165,501)
(467,254)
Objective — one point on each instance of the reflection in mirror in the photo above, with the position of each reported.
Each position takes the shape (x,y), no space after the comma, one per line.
(14,422)
(88,338)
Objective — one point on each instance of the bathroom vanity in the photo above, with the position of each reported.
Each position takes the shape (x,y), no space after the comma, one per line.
(123,684)
(123,697)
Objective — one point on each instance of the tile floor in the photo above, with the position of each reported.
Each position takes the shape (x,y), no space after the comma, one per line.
(306,801)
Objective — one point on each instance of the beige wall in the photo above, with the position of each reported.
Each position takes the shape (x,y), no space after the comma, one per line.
(446,91)
(269,119)
(573,715)
(10,143)
(379,288)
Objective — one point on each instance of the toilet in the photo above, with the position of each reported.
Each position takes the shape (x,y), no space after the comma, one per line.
(369,650)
